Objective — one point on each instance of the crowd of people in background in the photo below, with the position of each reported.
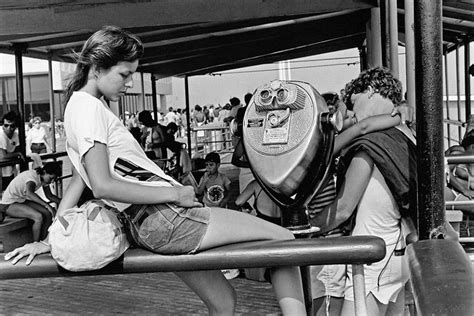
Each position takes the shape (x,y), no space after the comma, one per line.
(366,104)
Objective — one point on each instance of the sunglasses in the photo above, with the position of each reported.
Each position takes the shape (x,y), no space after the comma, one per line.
(9,125)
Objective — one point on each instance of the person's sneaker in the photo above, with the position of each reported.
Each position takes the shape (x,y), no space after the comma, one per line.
(231,274)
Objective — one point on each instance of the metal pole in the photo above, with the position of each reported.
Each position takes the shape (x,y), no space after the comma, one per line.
(458,92)
(188,115)
(446,84)
(51,105)
(410,52)
(374,49)
(20,97)
(467,78)
(429,78)
(154,100)
(363,57)
(384,34)
(360,303)
(143,97)
(393,27)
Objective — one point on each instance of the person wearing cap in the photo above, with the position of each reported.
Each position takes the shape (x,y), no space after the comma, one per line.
(214,186)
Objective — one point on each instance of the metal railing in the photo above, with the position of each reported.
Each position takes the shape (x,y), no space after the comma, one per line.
(209,138)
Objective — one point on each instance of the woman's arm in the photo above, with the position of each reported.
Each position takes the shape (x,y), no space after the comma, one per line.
(73,192)
(356,180)
(226,198)
(104,186)
(246,193)
(238,156)
(46,142)
(202,183)
(50,196)
(368,125)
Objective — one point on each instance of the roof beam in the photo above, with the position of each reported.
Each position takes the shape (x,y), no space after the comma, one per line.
(292,53)
(285,40)
(33,16)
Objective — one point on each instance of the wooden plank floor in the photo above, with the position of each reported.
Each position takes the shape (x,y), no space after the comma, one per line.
(143,294)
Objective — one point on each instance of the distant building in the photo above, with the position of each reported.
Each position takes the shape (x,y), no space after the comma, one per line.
(36,89)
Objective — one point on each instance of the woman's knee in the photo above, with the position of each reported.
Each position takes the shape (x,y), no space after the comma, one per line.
(37,218)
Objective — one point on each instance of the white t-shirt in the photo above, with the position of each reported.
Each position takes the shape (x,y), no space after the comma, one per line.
(88,120)
(170,117)
(378,215)
(16,190)
(9,145)
(36,135)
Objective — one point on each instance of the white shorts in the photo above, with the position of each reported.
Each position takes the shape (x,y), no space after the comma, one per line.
(328,280)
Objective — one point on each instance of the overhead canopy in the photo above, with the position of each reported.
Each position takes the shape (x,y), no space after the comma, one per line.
(193,37)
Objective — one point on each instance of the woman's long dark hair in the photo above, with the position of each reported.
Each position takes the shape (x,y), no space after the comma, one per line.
(104,49)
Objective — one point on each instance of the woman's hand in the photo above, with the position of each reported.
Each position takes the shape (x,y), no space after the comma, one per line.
(187,197)
(30,250)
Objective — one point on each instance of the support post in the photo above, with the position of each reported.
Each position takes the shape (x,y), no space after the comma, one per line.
(363,57)
(410,52)
(458,92)
(360,303)
(51,105)
(393,31)
(20,97)
(429,111)
(188,115)
(384,33)
(446,87)
(154,97)
(467,78)
(143,96)
(374,44)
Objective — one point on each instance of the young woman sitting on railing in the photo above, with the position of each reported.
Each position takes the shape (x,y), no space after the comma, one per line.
(107,159)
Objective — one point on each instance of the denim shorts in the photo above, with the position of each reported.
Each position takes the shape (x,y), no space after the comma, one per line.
(167,229)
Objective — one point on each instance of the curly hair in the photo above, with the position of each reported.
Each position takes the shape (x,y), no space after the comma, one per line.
(380,79)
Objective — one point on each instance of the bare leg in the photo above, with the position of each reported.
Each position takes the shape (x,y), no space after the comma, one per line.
(374,307)
(327,306)
(21,210)
(47,217)
(213,288)
(228,227)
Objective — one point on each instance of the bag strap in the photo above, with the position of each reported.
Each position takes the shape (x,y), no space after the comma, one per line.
(92,215)
(63,221)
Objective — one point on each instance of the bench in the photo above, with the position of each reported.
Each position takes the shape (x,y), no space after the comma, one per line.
(355,250)
(15,232)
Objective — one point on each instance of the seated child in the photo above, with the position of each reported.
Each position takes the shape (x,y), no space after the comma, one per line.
(20,200)
(214,186)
